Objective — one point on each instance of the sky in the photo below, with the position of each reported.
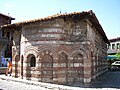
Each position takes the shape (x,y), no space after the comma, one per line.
(107,11)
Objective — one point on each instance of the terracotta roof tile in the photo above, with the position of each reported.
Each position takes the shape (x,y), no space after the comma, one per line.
(45,18)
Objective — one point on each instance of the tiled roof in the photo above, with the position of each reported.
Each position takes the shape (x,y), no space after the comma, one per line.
(85,14)
(7,16)
(46,18)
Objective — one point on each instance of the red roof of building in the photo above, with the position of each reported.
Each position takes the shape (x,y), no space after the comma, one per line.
(85,14)
(7,16)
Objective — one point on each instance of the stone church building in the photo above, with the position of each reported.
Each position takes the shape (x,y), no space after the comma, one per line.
(63,48)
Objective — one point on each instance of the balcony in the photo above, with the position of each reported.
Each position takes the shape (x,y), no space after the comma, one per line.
(3,40)
(113,51)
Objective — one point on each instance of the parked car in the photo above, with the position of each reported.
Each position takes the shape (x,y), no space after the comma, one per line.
(115,66)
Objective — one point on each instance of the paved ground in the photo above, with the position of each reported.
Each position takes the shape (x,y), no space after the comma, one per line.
(109,81)
(11,85)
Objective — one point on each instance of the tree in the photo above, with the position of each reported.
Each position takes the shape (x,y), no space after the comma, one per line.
(118,55)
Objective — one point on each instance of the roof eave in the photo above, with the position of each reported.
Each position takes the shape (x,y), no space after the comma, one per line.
(97,25)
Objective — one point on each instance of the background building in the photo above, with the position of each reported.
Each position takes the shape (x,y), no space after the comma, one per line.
(63,48)
(114,46)
(5,37)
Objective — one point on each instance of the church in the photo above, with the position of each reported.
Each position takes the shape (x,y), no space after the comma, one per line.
(65,48)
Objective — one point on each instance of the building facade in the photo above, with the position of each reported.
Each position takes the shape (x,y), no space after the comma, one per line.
(5,37)
(63,48)
(114,46)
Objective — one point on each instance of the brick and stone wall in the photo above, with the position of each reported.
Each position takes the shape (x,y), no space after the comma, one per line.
(98,51)
(16,54)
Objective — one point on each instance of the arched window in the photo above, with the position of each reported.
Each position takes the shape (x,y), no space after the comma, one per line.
(64,66)
(32,62)
(47,68)
(78,68)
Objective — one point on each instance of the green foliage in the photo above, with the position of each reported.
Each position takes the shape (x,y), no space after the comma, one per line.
(118,55)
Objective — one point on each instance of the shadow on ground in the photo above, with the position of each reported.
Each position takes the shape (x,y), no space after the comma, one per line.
(111,79)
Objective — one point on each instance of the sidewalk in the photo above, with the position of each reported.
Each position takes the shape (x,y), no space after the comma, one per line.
(50,86)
